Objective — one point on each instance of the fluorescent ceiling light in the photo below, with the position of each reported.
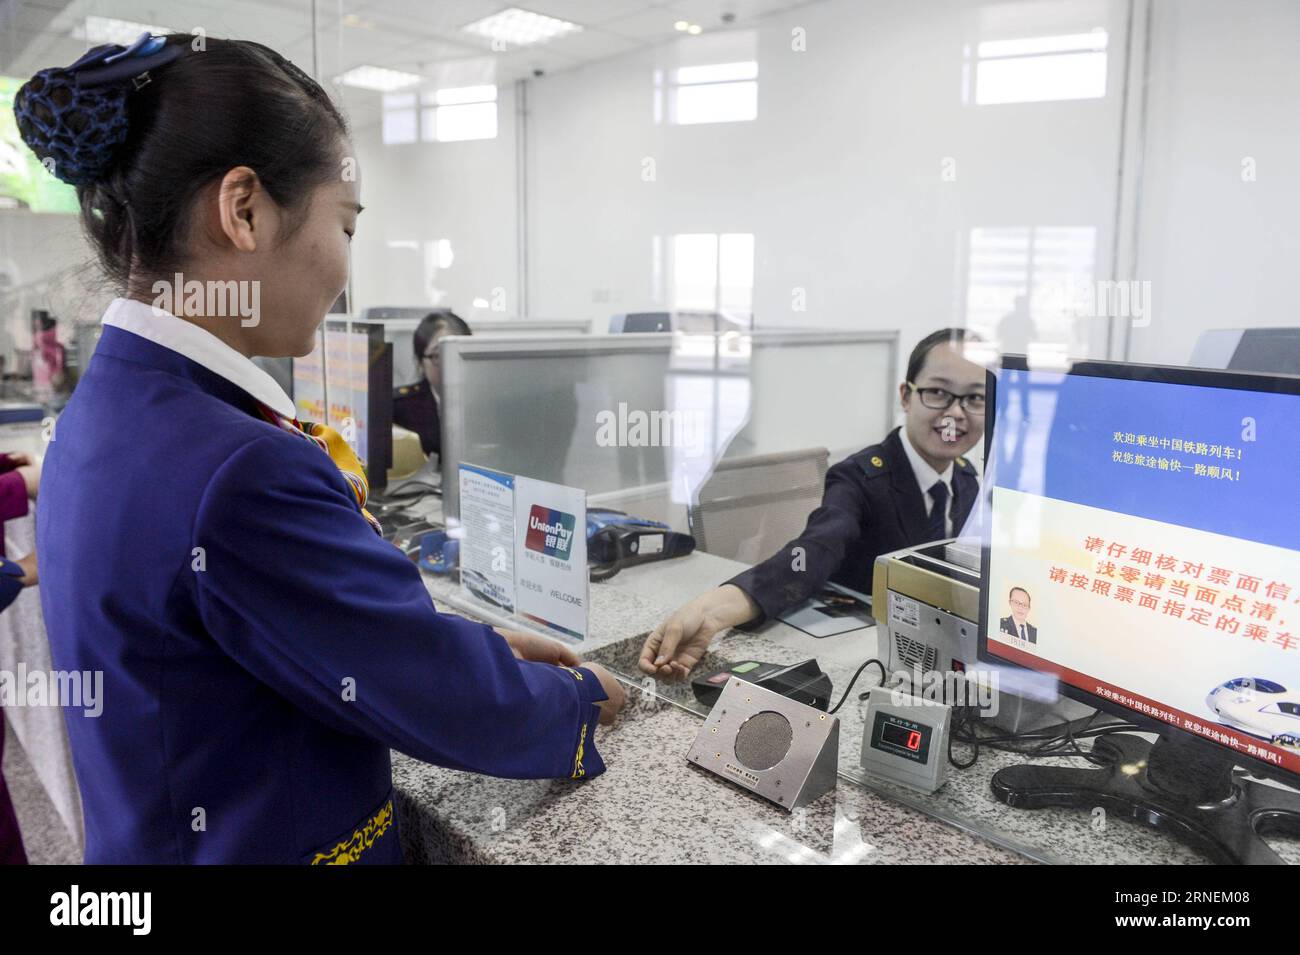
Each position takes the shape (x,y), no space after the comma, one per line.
(377,78)
(516,27)
(97,30)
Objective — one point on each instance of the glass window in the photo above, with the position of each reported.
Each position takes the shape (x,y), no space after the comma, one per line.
(720,93)
(1038,69)
(459,113)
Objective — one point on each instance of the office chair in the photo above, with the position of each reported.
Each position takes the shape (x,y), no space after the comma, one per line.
(748,507)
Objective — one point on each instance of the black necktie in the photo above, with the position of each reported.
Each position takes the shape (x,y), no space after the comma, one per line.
(935,528)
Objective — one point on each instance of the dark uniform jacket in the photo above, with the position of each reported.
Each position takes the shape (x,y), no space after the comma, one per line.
(872,505)
(415,409)
(1008,625)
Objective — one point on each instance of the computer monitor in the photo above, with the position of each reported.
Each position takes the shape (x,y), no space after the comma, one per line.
(349,386)
(400,323)
(690,321)
(534,406)
(1274,350)
(531,406)
(1143,546)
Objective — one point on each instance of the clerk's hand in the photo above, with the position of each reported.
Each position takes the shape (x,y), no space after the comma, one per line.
(613,689)
(529,646)
(677,644)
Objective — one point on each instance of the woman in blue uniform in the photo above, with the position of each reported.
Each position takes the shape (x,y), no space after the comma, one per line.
(915,486)
(262,647)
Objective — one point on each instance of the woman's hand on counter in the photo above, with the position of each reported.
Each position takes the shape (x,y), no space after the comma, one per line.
(613,689)
(529,646)
(677,644)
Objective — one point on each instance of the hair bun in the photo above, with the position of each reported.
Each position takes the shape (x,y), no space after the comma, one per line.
(77,115)
(79,128)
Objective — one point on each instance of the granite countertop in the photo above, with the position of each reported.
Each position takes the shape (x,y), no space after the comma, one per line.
(652,806)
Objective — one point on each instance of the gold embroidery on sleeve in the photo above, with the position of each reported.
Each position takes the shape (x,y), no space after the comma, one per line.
(578,771)
(350,849)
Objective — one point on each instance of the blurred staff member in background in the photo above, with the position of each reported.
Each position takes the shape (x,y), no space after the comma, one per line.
(416,407)
(915,486)
(48,356)
(19,479)
(263,649)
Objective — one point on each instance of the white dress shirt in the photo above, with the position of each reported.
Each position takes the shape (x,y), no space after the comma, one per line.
(199,345)
(925,477)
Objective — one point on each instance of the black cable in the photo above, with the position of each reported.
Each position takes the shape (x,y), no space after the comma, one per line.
(1060,740)
(408,488)
(975,747)
(1048,742)
(884,675)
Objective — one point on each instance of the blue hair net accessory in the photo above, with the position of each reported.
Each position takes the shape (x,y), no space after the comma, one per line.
(77,116)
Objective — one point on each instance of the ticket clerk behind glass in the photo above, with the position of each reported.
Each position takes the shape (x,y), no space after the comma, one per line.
(914,486)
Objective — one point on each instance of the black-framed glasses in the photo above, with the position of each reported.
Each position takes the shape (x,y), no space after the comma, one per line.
(430,355)
(941,399)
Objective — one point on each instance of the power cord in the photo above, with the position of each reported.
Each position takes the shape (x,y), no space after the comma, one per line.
(884,675)
(1059,740)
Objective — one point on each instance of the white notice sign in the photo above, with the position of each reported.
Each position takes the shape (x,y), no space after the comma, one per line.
(551,555)
(487,502)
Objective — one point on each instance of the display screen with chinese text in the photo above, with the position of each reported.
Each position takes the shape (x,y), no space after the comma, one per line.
(1142,545)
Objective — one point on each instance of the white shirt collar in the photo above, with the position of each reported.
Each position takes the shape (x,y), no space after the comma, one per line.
(199,345)
(925,475)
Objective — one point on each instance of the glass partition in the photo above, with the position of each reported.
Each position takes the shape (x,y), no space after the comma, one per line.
(743,225)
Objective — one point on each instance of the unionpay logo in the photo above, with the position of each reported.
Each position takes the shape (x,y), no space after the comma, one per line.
(550,532)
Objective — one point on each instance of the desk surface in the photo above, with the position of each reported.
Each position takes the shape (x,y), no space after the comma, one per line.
(651,806)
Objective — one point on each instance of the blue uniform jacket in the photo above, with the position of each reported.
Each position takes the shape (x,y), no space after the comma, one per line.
(262,648)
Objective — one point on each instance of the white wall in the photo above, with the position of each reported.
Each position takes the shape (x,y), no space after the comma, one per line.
(422,192)
(1219,251)
(839,178)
